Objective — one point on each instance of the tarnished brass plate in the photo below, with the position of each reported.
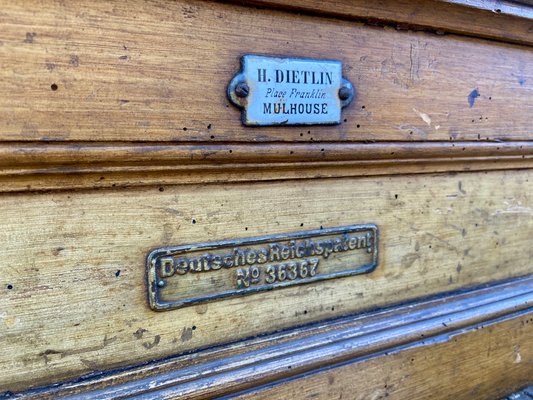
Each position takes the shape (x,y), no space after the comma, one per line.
(197,273)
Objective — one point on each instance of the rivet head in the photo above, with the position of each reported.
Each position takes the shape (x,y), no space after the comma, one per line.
(242,90)
(344,93)
(161,283)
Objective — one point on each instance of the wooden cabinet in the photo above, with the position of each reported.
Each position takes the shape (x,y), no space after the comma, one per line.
(117,139)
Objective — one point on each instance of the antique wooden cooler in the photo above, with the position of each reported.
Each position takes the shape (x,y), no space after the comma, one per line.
(278,199)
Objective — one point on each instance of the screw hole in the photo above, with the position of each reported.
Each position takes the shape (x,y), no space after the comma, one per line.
(54,87)
(193,221)
(10,286)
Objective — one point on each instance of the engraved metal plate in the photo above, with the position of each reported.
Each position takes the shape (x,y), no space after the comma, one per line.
(290,91)
(192,274)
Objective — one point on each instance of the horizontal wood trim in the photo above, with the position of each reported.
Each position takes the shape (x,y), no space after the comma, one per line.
(57,155)
(73,283)
(290,354)
(164,76)
(482,363)
(38,166)
(500,20)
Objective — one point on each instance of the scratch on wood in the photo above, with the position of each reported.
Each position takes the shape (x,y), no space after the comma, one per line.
(426,118)
(149,345)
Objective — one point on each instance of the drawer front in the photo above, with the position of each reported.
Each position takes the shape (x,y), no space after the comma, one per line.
(158,71)
(75,276)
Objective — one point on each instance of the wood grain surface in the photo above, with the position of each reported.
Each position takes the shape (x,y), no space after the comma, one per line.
(158,71)
(501,20)
(129,98)
(74,277)
(287,355)
(484,363)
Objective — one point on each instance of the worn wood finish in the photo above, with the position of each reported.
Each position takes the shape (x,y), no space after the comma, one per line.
(525,394)
(110,95)
(73,280)
(486,362)
(494,19)
(286,355)
(36,166)
(139,71)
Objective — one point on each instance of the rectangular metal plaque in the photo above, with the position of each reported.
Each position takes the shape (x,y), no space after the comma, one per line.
(192,274)
(290,91)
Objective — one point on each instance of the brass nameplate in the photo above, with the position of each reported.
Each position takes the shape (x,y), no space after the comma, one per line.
(192,274)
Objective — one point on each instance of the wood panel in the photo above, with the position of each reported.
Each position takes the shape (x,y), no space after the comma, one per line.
(312,349)
(495,19)
(152,71)
(38,166)
(74,275)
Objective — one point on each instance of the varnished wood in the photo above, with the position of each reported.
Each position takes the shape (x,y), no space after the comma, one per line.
(500,20)
(138,71)
(75,261)
(36,166)
(130,98)
(288,355)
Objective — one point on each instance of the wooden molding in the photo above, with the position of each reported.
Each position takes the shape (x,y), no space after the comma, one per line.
(58,155)
(288,355)
(506,21)
(38,166)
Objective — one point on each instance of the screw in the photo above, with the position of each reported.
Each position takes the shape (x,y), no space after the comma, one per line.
(161,283)
(344,93)
(242,90)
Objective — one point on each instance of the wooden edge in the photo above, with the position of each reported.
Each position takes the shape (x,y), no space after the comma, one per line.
(38,166)
(505,21)
(484,361)
(268,359)
(524,394)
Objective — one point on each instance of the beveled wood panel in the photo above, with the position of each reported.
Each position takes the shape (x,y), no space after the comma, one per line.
(157,71)
(74,272)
